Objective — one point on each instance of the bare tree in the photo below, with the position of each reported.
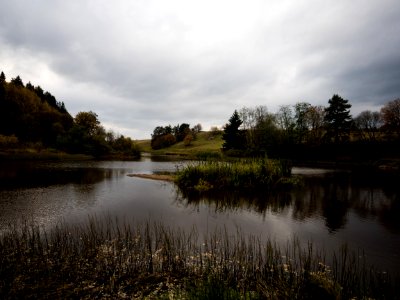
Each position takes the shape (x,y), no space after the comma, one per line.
(368,124)
(391,116)
(315,118)
(285,118)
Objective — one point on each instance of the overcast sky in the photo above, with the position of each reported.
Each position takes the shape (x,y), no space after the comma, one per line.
(145,63)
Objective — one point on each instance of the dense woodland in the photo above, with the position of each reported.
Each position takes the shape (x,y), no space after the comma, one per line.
(33,118)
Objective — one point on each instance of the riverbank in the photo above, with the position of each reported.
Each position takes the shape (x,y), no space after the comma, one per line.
(161,177)
(107,259)
(30,154)
(39,155)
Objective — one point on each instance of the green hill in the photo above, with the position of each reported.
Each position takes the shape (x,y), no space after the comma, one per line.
(204,144)
(32,121)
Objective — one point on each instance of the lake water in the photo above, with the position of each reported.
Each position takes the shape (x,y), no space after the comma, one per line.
(330,209)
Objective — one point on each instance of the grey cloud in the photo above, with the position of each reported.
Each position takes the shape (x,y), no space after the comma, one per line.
(139,66)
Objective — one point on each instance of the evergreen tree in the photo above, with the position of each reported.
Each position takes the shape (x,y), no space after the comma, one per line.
(2,78)
(232,136)
(2,84)
(337,118)
(2,92)
(180,131)
(30,86)
(17,81)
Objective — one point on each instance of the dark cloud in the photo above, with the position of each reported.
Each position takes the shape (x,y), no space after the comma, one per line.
(142,64)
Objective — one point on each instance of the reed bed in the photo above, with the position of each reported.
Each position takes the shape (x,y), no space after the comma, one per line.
(111,259)
(242,174)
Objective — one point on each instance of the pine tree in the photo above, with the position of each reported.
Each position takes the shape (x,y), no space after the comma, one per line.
(2,88)
(17,81)
(232,136)
(337,118)
(2,78)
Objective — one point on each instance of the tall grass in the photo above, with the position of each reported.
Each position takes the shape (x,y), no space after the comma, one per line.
(111,259)
(242,174)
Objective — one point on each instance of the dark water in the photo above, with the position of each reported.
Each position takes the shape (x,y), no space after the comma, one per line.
(330,209)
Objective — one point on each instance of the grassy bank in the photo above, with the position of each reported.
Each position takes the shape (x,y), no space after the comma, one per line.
(32,154)
(241,174)
(113,260)
(204,145)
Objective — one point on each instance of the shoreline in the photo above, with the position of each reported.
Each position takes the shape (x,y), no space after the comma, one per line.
(161,177)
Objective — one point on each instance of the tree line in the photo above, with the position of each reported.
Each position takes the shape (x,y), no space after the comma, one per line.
(32,117)
(165,136)
(307,131)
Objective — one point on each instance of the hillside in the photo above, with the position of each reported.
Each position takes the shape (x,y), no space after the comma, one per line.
(33,124)
(204,144)
(30,114)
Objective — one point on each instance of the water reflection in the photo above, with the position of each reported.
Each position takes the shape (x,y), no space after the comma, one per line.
(330,196)
(49,192)
(16,175)
(330,208)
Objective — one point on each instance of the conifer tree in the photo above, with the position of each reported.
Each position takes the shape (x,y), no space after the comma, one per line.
(17,81)
(232,136)
(337,118)
(2,78)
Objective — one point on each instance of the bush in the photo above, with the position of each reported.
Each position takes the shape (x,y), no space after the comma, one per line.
(188,140)
(8,141)
(163,141)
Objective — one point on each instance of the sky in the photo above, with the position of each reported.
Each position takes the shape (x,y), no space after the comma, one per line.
(139,64)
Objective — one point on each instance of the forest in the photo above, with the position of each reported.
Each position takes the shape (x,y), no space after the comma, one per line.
(31,118)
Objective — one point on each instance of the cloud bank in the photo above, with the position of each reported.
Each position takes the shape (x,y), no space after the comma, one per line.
(140,64)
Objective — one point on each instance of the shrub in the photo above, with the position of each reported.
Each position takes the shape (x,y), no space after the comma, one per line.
(188,140)
(8,141)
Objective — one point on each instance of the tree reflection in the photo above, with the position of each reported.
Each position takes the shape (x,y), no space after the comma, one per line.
(222,201)
(17,175)
(330,196)
(335,201)
(390,210)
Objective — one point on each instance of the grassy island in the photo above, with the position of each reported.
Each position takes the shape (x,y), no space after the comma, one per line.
(241,174)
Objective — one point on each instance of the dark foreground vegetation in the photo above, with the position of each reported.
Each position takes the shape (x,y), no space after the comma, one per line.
(110,259)
(33,124)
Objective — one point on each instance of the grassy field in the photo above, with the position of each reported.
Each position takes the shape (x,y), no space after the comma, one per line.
(107,259)
(203,145)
